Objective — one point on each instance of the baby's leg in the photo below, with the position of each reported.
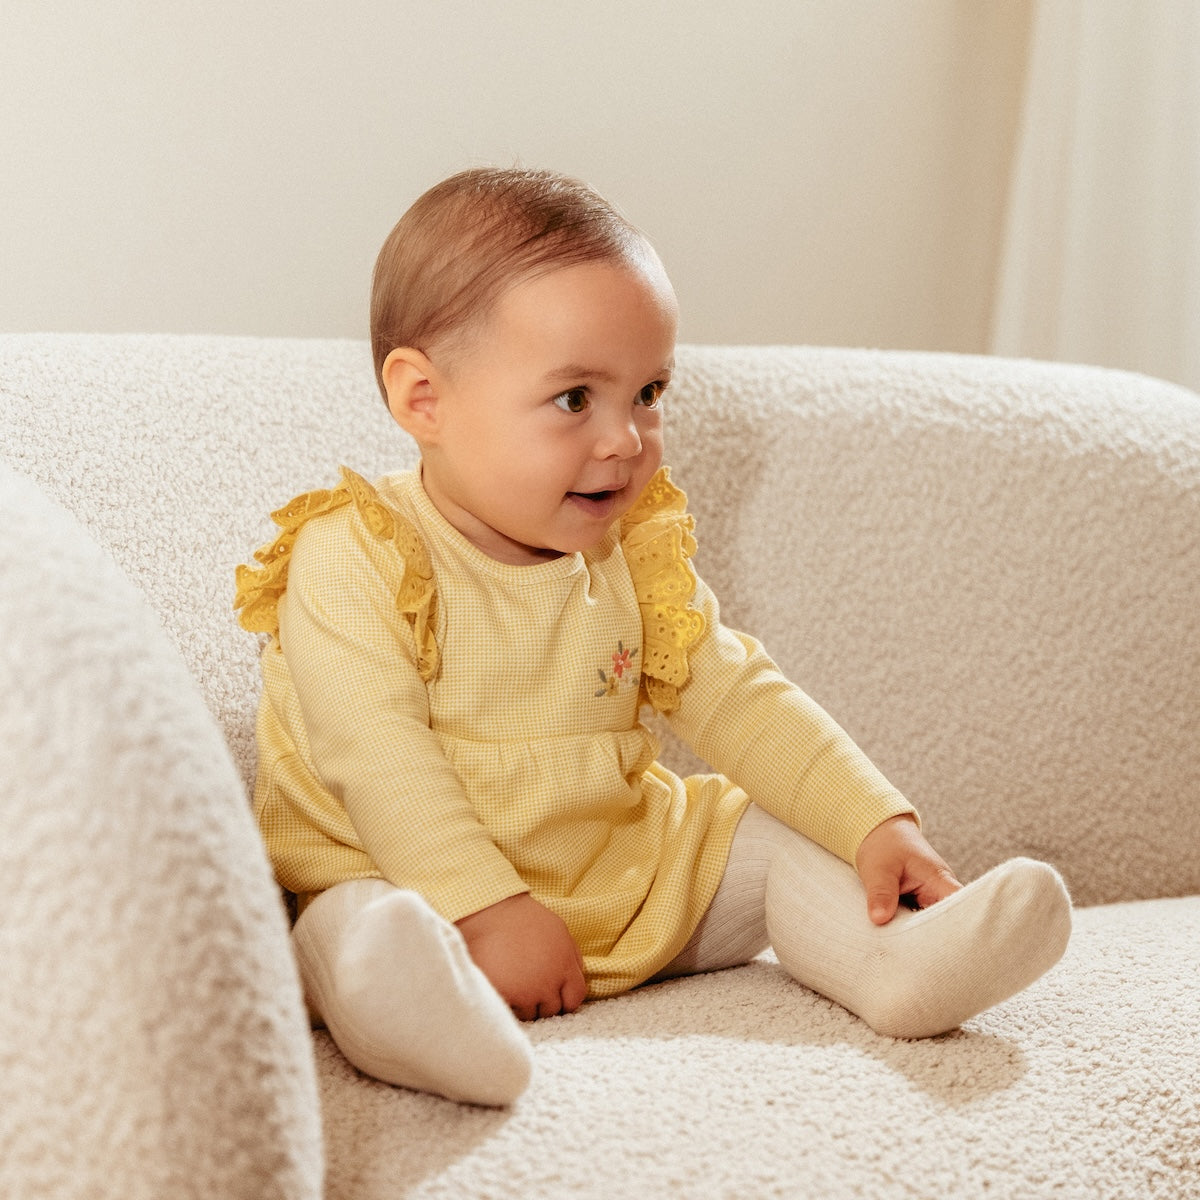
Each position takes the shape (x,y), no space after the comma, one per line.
(734,930)
(925,972)
(396,987)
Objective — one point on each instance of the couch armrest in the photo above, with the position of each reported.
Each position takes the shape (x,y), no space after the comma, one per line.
(154,1041)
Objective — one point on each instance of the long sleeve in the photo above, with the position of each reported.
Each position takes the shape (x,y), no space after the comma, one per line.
(364,720)
(739,713)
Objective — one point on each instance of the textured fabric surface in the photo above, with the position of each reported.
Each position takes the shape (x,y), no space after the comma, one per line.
(742,1086)
(172,452)
(153,1037)
(989,572)
(986,570)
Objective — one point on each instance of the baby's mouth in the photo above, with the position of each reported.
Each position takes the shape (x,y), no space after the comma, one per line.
(596,504)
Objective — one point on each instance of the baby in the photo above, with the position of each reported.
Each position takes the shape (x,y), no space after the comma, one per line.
(454,777)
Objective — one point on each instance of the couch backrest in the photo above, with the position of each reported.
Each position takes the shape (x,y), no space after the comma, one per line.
(173,451)
(987,570)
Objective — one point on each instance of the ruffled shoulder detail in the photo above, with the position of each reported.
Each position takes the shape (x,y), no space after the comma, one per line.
(260,588)
(656,535)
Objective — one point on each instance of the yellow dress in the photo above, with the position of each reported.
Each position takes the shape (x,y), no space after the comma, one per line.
(470,729)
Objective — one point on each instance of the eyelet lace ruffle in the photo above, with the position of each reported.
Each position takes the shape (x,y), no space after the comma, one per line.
(657,538)
(259,588)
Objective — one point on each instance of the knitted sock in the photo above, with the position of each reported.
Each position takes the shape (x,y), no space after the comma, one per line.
(397,990)
(734,930)
(925,972)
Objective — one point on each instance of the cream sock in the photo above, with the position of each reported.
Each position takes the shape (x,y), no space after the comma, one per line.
(925,972)
(396,987)
(734,929)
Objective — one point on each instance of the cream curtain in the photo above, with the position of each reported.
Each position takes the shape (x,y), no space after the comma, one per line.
(1101,257)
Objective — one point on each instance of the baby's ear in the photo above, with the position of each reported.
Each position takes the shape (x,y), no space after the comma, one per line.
(411,395)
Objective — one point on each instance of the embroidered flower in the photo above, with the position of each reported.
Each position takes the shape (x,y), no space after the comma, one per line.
(621,674)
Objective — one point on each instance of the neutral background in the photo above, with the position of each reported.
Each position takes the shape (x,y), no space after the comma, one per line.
(832,171)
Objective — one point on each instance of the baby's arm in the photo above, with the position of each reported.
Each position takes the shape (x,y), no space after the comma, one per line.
(529,956)
(365,723)
(739,713)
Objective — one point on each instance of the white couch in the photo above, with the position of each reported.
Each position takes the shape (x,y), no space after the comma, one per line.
(988,570)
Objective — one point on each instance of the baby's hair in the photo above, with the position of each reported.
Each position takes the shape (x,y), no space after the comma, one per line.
(473,235)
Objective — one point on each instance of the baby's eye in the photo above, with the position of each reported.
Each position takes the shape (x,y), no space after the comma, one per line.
(651,395)
(574,401)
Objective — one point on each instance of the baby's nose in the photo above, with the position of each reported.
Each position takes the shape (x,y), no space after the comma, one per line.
(620,438)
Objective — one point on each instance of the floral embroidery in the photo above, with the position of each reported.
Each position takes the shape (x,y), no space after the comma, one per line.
(622,675)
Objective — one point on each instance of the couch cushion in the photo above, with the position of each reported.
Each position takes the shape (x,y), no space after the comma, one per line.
(153,1040)
(743,1084)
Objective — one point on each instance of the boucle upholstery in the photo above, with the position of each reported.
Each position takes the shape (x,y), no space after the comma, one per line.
(151,1042)
(988,570)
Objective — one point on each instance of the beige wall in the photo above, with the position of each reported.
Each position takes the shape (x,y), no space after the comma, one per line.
(831,171)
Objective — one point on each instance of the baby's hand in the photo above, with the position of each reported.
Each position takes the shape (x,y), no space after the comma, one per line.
(529,956)
(895,860)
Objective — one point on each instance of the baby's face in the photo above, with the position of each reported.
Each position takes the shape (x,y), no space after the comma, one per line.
(550,425)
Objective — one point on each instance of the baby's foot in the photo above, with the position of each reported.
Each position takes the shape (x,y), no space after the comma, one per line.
(938,967)
(925,972)
(396,987)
